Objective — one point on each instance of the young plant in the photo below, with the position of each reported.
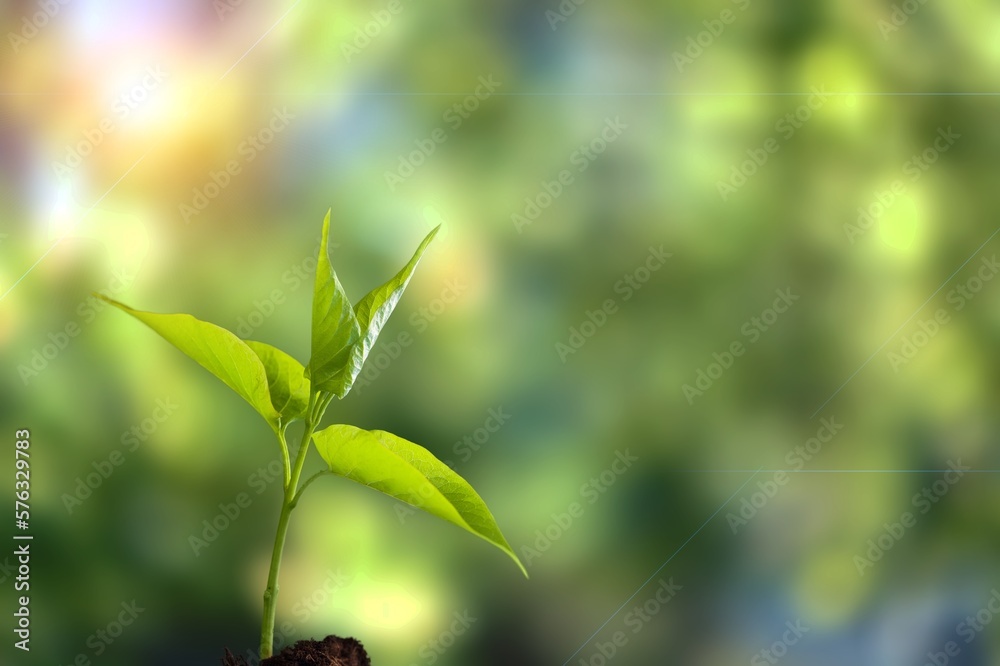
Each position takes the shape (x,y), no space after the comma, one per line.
(283,391)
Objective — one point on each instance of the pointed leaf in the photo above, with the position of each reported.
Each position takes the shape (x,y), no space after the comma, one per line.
(409,472)
(215,349)
(286,381)
(335,329)
(374,309)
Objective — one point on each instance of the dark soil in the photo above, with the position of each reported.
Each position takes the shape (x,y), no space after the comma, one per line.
(331,651)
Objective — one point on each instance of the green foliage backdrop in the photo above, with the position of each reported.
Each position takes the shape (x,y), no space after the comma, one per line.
(790,209)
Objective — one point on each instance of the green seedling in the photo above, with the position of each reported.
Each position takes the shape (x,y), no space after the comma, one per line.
(283,391)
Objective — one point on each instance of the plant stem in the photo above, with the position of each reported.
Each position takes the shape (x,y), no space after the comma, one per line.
(271,593)
(298,495)
(289,500)
(285,462)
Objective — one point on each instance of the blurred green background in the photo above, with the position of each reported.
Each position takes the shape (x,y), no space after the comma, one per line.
(181,156)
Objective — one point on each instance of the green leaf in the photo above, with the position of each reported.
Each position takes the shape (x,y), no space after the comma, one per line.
(373,310)
(335,329)
(410,473)
(286,381)
(215,349)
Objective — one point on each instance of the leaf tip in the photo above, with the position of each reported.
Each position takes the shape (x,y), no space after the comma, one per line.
(432,234)
(110,301)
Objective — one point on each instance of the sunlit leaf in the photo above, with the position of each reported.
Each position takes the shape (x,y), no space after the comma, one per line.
(374,309)
(286,381)
(410,473)
(217,350)
(335,329)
